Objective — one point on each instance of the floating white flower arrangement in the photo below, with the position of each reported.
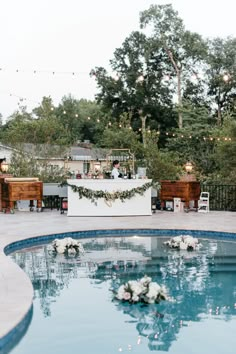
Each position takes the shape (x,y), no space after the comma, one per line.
(183,242)
(143,290)
(67,245)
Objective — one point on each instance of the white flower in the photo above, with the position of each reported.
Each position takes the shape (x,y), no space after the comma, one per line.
(67,244)
(143,290)
(135,297)
(60,249)
(183,246)
(177,239)
(135,286)
(75,242)
(154,287)
(145,280)
(127,296)
(71,250)
(175,244)
(120,293)
(183,242)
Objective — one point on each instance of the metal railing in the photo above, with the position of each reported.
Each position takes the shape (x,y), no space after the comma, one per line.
(222,197)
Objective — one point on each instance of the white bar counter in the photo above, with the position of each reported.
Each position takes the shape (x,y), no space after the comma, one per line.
(137,205)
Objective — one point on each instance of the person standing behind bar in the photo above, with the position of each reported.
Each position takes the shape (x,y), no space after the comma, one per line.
(115,173)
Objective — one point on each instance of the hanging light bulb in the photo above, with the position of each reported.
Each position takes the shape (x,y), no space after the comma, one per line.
(166,77)
(194,77)
(115,77)
(140,79)
(226,77)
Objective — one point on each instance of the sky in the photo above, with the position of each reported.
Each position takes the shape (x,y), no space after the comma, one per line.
(39,38)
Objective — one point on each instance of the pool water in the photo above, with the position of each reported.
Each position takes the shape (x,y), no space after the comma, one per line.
(74,310)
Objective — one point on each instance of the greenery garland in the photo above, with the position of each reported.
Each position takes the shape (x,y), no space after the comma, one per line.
(94,195)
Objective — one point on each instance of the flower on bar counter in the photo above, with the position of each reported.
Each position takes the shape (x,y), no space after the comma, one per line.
(182,242)
(143,290)
(67,245)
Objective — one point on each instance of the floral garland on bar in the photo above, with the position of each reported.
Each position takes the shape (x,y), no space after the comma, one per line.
(94,195)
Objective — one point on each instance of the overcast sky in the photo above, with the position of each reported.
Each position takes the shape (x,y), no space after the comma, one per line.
(66,36)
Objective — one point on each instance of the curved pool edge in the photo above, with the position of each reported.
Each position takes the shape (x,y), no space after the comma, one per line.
(17,289)
(12,338)
(16,296)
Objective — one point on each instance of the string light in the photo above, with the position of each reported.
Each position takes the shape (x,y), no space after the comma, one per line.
(226,77)
(168,134)
(140,79)
(52,72)
(115,77)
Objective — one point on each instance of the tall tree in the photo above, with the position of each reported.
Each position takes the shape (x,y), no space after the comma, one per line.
(221,75)
(184,49)
(136,85)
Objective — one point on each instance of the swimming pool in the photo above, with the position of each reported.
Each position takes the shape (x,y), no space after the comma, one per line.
(74,309)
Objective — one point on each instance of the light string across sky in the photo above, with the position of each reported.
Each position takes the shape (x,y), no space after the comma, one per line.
(115,77)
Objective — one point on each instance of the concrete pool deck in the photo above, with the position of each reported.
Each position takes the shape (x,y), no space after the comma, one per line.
(16,292)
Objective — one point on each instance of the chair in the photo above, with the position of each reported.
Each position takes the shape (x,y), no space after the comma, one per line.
(203,203)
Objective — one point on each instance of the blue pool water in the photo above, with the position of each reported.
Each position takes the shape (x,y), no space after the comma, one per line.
(74,310)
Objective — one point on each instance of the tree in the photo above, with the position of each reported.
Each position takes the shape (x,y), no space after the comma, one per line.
(184,49)
(160,165)
(136,86)
(225,152)
(40,127)
(26,164)
(195,142)
(81,119)
(221,75)
(121,136)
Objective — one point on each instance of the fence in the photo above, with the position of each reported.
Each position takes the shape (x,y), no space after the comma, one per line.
(222,197)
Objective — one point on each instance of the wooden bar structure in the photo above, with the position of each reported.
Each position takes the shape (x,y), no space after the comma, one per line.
(2,178)
(185,190)
(14,189)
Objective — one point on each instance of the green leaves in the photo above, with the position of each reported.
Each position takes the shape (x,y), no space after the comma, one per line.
(93,195)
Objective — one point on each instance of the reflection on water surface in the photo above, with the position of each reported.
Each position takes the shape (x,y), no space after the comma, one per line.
(73,297)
